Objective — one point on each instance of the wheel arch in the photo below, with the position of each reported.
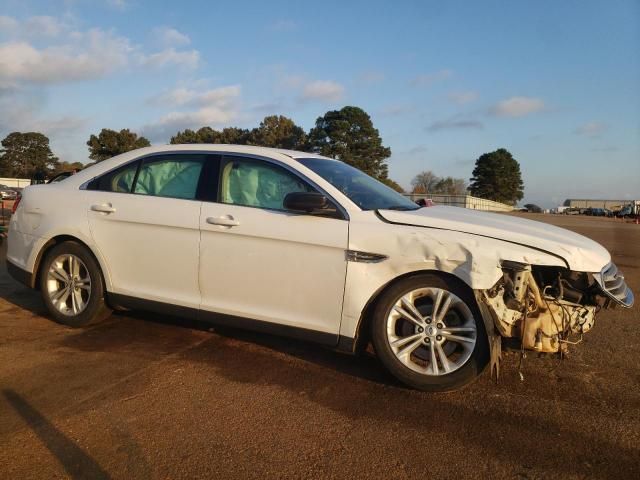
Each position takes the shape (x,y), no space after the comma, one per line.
(363,334)
(57,240)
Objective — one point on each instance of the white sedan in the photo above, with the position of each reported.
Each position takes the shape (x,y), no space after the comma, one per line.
(297,244)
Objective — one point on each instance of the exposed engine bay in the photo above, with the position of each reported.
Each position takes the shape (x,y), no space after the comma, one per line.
(545,308)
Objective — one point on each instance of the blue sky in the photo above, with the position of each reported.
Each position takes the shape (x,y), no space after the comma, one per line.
(556,83)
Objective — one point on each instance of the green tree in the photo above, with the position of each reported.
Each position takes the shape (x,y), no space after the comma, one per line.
(496,176)
(234,136)
(110,143)
(229,135)
(67,167)
(23,155)
(277,131)
(348,135)
(187,136)
(450,186)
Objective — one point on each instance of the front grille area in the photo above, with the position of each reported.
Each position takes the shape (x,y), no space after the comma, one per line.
(612,283)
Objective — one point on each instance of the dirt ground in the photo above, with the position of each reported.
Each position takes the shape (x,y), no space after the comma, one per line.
(146,396)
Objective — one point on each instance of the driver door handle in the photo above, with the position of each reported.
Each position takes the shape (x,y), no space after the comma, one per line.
(226,221)
(103,207)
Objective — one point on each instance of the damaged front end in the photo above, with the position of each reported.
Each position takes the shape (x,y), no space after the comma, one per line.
(546,308)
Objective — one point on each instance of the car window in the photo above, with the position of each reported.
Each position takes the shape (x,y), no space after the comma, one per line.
(173,176)
(119,180)
(256,183)
(364,191)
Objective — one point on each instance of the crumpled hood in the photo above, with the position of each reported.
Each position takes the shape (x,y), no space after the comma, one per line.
(581,253)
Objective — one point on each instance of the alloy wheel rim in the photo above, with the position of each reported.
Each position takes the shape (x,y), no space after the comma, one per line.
(431,331)
(69,284)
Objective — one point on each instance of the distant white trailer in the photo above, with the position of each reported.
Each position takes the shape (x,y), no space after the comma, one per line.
(15,182)
(559,209)
(465,201)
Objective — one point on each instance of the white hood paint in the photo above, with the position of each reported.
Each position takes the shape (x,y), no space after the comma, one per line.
(580,253)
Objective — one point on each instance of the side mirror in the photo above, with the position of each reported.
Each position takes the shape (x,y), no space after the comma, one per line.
(309,202)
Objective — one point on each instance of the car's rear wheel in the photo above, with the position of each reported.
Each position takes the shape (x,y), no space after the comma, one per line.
(428,332)
(72,286)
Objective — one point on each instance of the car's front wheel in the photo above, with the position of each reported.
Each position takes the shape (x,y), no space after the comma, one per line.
(72,286)
(428,332)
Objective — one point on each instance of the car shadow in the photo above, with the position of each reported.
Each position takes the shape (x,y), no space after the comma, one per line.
(365,366)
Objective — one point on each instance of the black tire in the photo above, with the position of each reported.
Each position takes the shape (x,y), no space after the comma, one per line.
(465,374)
(96,308)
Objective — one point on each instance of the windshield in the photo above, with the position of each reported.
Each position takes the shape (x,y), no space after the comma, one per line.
(364,191)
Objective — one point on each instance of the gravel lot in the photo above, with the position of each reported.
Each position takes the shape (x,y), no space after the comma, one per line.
(145,396)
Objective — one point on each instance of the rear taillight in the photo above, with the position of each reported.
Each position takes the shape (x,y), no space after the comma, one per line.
(16,203)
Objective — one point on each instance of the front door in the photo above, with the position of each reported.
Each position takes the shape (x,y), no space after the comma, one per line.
(259,261)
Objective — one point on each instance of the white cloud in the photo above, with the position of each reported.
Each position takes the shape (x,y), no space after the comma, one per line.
(89,54)
(453,124)
(182,96)
(44,26)
(427,79)
(8,25)
(591,129)
(213,107)
(170,36)
(52,126)
(322,90)
(176,97)
(72,55)
(171,57)
(517,107)
(203,116)
(462,98)
(22,114)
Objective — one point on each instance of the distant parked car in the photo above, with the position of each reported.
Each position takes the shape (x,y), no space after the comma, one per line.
(7,193)
(596,212)
(533,208)
(425,202)
(572,211)
(624,212)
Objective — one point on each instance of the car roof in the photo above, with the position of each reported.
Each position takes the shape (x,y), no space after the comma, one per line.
(249,149)
(99,168)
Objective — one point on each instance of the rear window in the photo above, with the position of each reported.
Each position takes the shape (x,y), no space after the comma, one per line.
(175,176)
(119,180)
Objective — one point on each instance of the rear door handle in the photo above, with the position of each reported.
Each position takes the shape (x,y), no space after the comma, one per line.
(103,207)
(226,221)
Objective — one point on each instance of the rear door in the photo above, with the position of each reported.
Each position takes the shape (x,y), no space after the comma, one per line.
(144,219)
(259,261)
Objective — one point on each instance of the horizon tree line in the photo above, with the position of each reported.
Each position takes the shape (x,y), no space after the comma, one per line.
(347,134)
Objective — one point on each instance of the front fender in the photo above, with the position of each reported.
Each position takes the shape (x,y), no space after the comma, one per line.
(473,259)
